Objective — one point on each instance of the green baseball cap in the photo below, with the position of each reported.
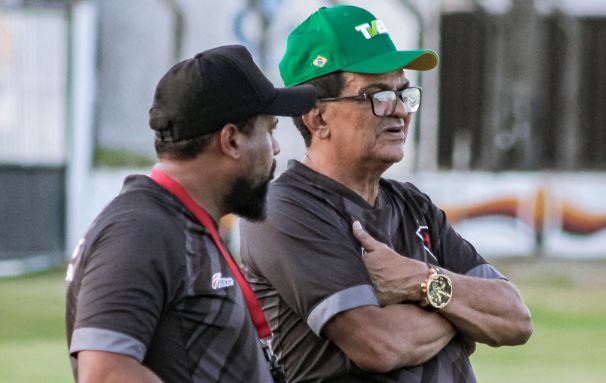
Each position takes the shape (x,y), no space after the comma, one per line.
(345,38)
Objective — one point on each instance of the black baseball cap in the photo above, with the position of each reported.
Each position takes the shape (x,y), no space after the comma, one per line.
(200,95)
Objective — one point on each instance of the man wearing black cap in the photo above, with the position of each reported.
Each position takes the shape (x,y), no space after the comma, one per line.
(343,306)
(153,294)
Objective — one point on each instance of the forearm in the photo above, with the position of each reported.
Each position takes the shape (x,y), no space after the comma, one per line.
(482,310)
(488,311)
(384,338)
(424,335)
(107,367)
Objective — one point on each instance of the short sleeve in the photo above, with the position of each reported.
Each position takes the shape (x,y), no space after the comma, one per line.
(125,283)
(307,252)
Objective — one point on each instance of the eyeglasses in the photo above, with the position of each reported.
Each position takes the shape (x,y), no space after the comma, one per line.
(384,102)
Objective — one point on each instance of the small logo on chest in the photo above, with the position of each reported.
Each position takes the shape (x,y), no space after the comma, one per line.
(423,234)
(218,282)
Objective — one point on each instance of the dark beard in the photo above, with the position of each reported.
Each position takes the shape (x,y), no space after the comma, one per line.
(248,200)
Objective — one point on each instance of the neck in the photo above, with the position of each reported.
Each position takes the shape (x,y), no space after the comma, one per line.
(200,182)
(359,178)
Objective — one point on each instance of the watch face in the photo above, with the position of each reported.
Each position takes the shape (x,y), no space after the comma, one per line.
(439,291)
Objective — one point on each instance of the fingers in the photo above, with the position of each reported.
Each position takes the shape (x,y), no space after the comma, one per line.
(367,242)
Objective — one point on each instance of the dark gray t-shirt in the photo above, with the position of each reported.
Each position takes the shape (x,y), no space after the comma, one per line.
(147,281)
(305,266)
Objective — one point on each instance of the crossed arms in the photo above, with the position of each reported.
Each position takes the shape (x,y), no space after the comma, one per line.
(488,311)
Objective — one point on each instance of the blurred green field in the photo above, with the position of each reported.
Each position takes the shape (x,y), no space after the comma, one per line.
(567,300)
(568,304)
(33,347)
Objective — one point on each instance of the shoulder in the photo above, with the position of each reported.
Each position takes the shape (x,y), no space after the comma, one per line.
(292,196)
(408,191)
(290,184)
(145,208)
(141,218)
(135,228)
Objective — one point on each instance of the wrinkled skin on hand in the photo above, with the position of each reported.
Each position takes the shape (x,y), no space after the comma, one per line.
(396,278)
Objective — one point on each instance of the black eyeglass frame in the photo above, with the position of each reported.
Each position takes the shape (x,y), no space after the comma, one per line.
(369,96)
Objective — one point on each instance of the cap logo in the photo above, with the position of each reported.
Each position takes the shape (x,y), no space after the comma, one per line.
(320,61)
(376,27)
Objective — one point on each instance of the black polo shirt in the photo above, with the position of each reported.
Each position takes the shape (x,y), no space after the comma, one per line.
(305,266)
(147,281)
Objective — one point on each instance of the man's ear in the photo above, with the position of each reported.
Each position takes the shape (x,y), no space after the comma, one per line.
(230,141)
(314,120)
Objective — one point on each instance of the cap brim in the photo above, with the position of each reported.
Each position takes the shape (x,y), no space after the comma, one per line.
(390,61)
(294,101)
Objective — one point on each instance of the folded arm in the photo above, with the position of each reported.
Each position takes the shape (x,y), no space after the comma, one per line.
(384,338)
(488,311)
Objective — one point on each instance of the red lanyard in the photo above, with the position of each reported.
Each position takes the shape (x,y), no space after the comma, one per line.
(254,307)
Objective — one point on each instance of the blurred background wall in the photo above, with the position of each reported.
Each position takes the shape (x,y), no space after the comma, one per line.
(508,141)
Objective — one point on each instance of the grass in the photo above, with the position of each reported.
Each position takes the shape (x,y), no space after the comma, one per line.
(33,347)
(566,298)
(115,158)
(568,308)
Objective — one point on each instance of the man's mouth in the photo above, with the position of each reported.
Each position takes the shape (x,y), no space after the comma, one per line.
(394,129)
(395,132)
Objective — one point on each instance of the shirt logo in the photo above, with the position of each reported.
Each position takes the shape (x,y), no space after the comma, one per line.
(423,234)
(69,276)
(218,282)
(376,27)
(320,61)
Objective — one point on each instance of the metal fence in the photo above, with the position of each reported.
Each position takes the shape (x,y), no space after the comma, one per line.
(34,46)
(522,91)
(33,86)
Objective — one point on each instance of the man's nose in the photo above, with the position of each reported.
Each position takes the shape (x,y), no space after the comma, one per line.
(402,109)
(275,146)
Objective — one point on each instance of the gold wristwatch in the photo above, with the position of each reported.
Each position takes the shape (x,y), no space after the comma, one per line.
(437,289)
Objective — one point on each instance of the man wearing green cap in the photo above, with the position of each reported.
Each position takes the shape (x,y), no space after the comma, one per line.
(362,278)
